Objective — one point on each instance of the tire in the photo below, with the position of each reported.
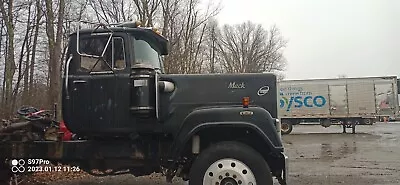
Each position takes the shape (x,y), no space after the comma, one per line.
(326,123)
(368,122)
(231,161)
(286,127)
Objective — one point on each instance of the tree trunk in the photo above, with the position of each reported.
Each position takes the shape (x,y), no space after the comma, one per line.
(35,39)
(25,93)
(21,73)
(54,43)
(5,51)
(9,62)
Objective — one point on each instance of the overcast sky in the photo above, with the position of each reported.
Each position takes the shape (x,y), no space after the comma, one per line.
(329,37)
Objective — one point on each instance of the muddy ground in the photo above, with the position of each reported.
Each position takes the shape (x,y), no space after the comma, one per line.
(318,156)
(325,156)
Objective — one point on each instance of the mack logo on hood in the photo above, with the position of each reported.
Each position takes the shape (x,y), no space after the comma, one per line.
(263,91)
(234,85)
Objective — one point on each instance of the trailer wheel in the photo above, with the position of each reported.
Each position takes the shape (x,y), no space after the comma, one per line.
(286,127)
(368,121)
(230,163)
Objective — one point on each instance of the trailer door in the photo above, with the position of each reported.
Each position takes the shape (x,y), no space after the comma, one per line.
(361,96)
(338,100)
(386,102)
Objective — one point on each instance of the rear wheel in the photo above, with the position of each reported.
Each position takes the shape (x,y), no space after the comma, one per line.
(286,127)
(368,121)
(230,163)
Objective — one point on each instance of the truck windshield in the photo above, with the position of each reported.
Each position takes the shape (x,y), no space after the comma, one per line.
(146,52)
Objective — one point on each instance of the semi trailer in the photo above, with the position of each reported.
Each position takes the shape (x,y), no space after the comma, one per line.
(347,101)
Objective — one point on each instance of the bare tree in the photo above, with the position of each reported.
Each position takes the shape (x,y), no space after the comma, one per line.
(3,47)
(54,21)
(25,49)
(110,11)
(6,8)
(146,10)
(25,93)
(186,31)
(39,15)
(211,55)
(249,48)
(276,45)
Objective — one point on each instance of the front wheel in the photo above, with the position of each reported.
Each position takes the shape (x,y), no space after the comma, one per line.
(230,163)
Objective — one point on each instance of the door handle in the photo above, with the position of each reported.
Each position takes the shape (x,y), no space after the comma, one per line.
(79,81)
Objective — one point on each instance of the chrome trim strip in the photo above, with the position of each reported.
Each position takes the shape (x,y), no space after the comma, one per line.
(101,72)
(67,74)
(157,93)
(141,76)
(141,108)
(79,81)
(278,128)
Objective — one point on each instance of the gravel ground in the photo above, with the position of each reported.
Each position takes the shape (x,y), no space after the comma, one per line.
(317,156)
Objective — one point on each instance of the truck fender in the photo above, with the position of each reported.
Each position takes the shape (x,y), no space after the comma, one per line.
(204,118)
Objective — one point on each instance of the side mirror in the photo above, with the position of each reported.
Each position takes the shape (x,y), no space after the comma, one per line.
(164,47)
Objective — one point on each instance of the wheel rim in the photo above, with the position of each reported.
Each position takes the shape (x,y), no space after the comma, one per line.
(229,172)
(285,127)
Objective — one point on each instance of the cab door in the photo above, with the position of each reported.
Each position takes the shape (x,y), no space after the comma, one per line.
(95,88)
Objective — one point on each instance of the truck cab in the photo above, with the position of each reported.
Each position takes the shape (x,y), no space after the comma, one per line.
(100,80)
(129,116)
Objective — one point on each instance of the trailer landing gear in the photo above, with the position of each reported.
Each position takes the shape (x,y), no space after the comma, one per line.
(349,124)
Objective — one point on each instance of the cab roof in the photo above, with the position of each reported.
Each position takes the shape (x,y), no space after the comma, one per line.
(137,30)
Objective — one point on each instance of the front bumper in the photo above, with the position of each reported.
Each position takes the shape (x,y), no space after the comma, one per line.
(285,172)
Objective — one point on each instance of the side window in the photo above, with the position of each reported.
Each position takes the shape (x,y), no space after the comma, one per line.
(92,49)
(146,52)
(119,62)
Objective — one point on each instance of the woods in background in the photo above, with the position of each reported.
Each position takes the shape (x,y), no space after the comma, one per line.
(33,41)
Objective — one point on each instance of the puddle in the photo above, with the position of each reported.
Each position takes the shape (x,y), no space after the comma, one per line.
(327,147)
(319,138)
(334,151)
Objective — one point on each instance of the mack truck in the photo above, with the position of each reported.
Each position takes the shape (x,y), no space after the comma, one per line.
(345,101)
(128,116)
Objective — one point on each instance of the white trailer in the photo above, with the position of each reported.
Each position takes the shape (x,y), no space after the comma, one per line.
(348,101)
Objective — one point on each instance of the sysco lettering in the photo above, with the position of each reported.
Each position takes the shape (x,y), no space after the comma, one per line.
(300,101)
